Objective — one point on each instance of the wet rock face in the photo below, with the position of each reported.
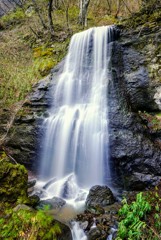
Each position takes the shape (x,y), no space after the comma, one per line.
(138,82)
(98,197)
(134,152)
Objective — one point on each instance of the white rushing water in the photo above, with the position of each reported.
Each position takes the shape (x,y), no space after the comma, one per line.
(75,149)
(75,152)
(77,232)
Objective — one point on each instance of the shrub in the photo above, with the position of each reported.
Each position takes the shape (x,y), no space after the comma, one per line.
(133,216)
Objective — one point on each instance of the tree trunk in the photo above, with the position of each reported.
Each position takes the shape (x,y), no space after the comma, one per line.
(83,12)
(51,25)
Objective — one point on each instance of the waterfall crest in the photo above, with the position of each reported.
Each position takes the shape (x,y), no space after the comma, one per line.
(76,142)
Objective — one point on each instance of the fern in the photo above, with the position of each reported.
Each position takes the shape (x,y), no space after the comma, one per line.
(133,215)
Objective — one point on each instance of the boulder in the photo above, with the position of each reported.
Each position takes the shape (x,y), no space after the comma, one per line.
(94,233)
(13,181)
(65,232)
(54,203)
(99,197)
(31,183)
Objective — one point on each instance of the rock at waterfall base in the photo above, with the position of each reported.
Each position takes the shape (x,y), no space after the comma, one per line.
(54,203)
(13,179)
(99,197)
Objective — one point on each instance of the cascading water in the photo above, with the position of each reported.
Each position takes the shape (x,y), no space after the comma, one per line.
(75,153)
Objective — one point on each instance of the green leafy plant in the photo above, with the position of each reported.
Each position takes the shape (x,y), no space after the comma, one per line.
(133,215)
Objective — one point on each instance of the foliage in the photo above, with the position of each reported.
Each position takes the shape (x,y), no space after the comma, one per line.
(141,219)
(26,224)
(133,216)
(154,219)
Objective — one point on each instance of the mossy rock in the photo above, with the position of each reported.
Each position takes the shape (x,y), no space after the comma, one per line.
(13,178)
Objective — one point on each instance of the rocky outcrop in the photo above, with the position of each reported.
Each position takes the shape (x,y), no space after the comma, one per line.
(100,216)
(134,147)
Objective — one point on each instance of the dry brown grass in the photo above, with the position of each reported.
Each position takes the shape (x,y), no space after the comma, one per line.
(16,67)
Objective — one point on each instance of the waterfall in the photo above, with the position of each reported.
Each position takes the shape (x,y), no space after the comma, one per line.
(75,149)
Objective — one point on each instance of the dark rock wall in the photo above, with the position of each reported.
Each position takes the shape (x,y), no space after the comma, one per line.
(135,155)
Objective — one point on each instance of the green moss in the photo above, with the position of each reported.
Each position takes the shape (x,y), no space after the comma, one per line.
(13,178)
(48,56)
(44,65)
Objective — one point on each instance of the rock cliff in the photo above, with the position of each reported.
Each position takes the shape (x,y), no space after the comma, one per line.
(134,99)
